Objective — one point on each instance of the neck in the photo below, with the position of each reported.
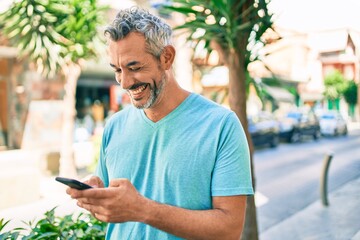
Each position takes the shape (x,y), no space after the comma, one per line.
(171,99)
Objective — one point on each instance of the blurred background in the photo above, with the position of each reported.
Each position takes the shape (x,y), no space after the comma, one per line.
(302,109)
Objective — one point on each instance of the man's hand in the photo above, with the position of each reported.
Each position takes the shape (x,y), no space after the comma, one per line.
(120,202)
(95,182)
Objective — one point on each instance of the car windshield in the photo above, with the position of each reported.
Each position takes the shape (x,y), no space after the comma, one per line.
(294,115)
(328,116)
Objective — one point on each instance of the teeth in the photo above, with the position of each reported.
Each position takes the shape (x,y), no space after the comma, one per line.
(139,89)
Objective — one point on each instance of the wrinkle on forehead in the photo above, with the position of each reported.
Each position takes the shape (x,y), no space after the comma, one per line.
(130,49)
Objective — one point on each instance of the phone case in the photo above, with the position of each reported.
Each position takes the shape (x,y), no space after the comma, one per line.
(73,183)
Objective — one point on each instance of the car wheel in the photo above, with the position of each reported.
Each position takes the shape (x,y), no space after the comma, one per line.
(317,134)
(295,136)
(274,142)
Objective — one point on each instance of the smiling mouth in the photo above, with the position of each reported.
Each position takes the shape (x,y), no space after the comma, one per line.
(137,91)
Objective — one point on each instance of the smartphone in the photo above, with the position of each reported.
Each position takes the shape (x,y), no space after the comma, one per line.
(73,183)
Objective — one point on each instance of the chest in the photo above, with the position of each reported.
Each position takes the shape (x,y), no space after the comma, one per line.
(167,155)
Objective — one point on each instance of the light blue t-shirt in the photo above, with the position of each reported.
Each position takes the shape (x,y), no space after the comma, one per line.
(197,151)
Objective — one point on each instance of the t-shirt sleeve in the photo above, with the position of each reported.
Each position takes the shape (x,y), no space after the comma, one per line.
(101,170)
(232,173)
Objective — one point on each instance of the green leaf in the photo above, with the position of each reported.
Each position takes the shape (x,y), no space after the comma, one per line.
(25,30)
(12,21)
(24,22)
(22,10)
(40,9)
(183,10)
(221,7)
(48,235)
(30,10)
(244,27)
(14,32)
(3,223)
(49,17)
(42,2)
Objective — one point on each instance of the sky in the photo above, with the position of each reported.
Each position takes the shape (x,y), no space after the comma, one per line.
(4,4)
(299,15)
(316,15)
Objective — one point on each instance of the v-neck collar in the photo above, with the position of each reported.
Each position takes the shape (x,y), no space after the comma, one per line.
(171,115)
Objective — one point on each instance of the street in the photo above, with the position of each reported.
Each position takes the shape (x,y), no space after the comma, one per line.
(288,177)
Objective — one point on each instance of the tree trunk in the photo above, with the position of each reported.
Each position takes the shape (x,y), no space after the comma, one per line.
(67,161)
(237,101)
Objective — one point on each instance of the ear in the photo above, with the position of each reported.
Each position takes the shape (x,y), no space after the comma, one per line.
(167,57)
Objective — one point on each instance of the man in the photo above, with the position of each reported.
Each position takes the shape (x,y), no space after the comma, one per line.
(174,165)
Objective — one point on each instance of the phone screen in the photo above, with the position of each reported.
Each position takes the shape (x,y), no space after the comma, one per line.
(73,183)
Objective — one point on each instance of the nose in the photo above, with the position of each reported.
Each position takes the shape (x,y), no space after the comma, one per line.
(125,80)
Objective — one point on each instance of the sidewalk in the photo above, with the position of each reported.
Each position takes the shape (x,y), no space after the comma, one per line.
(339,221)
(52,195)
(353,126)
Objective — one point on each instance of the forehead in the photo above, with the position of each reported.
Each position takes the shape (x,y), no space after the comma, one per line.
(131,48)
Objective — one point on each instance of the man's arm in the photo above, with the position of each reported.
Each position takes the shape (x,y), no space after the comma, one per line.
(224,221)
(121,203)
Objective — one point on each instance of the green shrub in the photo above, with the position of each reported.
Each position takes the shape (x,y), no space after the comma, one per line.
(70,227)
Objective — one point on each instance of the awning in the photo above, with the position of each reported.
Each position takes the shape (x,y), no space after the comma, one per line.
(279,94)
(311,96)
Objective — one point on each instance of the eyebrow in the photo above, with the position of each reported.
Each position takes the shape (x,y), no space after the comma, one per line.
(132,63)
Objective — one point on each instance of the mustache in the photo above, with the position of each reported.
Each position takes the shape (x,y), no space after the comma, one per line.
(136,85)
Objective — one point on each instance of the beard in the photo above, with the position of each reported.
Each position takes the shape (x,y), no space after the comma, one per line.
(155,92)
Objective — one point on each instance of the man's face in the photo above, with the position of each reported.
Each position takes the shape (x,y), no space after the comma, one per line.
(136,70)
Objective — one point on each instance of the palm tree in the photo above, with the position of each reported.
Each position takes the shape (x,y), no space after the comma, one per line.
(351,96)
(57,35)
(335,84)
(231,27)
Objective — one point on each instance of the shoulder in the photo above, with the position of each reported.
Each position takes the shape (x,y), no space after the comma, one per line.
(204,114)
(207,105)
(210,109)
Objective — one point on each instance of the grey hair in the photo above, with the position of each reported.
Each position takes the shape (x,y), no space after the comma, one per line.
(157,33)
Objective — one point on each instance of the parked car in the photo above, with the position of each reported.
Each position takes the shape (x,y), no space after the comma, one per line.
(296,124)
(332,123)
(264,129)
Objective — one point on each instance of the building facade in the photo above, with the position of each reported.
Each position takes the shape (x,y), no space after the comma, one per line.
(305,59)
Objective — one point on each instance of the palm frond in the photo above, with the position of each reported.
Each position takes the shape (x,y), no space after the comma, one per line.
(50,33)
(232,20)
